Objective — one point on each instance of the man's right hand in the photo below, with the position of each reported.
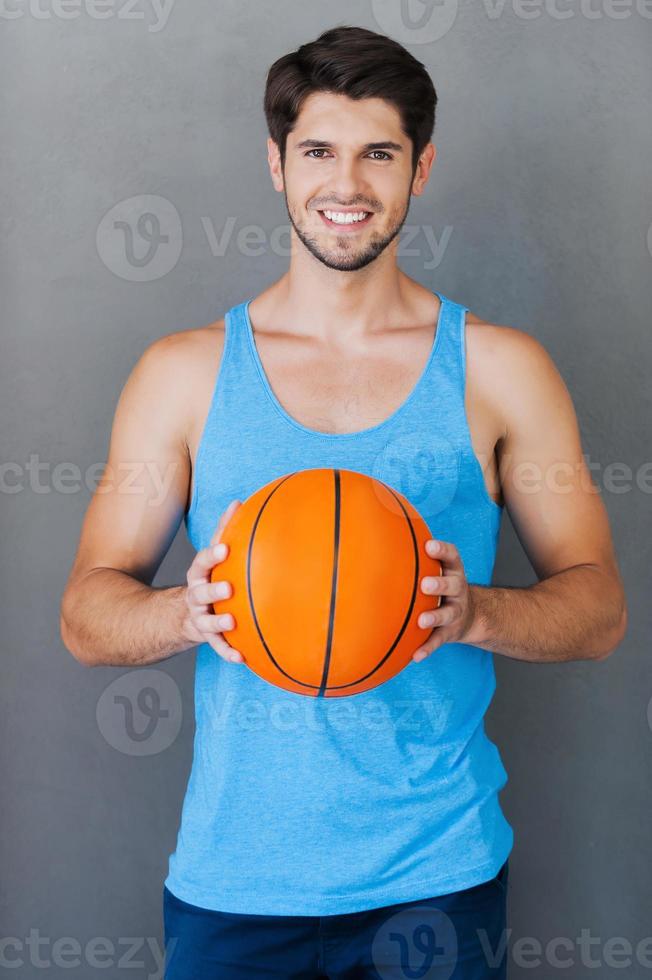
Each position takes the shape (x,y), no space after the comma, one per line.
(202,625)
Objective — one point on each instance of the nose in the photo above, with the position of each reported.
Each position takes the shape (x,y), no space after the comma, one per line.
(345,181)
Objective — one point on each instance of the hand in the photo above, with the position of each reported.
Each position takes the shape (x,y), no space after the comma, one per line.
(201,624)
(453,619)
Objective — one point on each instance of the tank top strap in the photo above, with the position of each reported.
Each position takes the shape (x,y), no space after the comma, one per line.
(239,378)
(450,346)
(236,345)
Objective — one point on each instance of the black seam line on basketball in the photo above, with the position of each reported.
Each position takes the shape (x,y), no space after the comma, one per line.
(415,582)
(250,594)
(331,611)
(249,589)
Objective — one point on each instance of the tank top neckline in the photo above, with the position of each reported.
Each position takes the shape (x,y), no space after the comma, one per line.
(359,433)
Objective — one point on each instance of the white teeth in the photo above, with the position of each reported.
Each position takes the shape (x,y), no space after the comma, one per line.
(344,218)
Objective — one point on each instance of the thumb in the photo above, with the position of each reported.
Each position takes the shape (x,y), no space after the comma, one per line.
(224,520)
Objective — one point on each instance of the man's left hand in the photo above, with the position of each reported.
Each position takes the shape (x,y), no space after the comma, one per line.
(455,618)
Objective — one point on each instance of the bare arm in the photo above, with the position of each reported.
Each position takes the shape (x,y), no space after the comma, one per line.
(110,613)
(577,610)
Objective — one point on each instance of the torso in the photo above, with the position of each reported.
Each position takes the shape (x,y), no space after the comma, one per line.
(334,394)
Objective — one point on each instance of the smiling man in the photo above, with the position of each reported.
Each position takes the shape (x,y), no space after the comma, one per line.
(321,837)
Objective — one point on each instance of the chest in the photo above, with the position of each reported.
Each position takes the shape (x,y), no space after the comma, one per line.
(345,390)
(342,394)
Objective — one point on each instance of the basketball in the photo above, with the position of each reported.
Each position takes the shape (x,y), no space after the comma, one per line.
(325,567)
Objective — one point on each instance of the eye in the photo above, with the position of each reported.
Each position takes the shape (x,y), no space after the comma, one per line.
(383,154)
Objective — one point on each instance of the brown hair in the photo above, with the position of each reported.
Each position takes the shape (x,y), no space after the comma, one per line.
(361,64)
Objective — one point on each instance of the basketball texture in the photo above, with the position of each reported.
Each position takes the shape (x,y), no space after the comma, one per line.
(325,567)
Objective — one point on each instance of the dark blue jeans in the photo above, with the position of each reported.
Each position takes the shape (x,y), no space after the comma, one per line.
(460,936)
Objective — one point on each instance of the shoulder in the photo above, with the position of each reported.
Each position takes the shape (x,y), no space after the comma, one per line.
(505,343)
(175,374)
(183,357)
(512,368)
(183,348)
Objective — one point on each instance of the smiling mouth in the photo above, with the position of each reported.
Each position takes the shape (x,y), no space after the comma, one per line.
(346,221)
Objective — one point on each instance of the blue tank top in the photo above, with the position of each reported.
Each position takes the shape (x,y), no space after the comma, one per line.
(298,805)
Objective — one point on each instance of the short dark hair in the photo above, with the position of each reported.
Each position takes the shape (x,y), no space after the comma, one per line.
(359,63)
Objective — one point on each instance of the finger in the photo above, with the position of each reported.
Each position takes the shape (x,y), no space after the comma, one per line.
(224,649)
(204,562)
(224,520)
(445,551)
(424,651)
(214,623)
(434,618)
(437,639)
(450,585)
(205,593)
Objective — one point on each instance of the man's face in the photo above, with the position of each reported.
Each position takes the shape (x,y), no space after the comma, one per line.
(346,157)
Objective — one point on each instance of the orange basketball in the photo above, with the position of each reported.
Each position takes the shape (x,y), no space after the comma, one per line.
(325,567)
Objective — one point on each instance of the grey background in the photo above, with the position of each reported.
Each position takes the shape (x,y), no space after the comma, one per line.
(544,144)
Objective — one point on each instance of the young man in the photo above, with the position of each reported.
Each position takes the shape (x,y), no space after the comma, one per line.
(319,837)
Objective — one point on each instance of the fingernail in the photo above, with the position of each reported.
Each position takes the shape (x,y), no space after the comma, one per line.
(220,549)
(419,656)
(235,658)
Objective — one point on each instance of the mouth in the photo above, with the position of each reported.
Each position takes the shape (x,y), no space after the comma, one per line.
(346,221)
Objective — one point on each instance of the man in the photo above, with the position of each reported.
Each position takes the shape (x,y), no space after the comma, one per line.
(317,842)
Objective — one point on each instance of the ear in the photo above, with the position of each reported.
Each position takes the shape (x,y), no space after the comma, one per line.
(424,166)
(274,160)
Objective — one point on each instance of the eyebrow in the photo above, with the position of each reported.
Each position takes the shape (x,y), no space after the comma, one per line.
(384,145)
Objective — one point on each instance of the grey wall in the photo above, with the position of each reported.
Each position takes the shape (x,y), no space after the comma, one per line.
(537,202)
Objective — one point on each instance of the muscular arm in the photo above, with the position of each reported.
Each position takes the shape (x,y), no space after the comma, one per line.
(110,613)
(577,610)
